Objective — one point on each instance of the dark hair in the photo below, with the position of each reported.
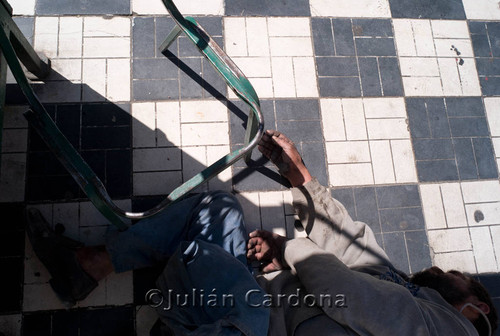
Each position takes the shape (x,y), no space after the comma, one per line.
(478,290)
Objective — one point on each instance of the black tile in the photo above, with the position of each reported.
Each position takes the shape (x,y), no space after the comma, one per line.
(481,46)
(438,119)
(65,323)
(154,68)
(439,170)
(432,149)
(238,113)
(375,47)
(418,250)
(490,86)
(106,322)
(396,250)
(343,37)
(11,286)
(12,216)
(427,9)
(398,196)
(187,48)
(301,130)
(268,8)
(211,24)
(68,122)
(370,80)
(155,89)
(485,158)
(339,87)
(96,159)
(145,278)
(118,173)
(105,115)
(366,207)
(38,324)
(88,7)
(164,25)
(390,76)
(143,37)
(494,34)
(372,27)
(465,107)
(322,37)
(476,27)
(40,188)
(466,162)
(261,178)
(346,197)
(12,243)
(44,163)
(313,154)
(491,282)
(106,137)
(417,118)
(304,109)
(402,219)
(26,25)
(467,127)
(337,66)
(488,66)
(190,80)
(214,85)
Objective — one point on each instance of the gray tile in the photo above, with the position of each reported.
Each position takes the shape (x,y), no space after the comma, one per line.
(427,9)
(466,161)
(370,80)
(481,45)
(467,127)
(88,7)
(417,117)
(301,130)
(375,47)
(214,85)
(418,250)
(337,66)
(476,27)
(402,219)
(303,109)
(155,89)
(366,207)
(490,86)
(494,35)
(26,25)
(432,149)
(395,248)
(257,179)
(143,37)
(372,27)
(187,48)
(465,107)
(238,112)
(163,26)
(485,158)
(211,24)
(322,37)
(190,80)
(154,68)
(398,196)
(438,119)
(488,66)
(268,8)
(439,170)
(390,76)
(339,87)
(343,37)
(313,154)
(346,197)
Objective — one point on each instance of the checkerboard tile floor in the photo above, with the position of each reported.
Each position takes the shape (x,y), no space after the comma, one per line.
(394,105)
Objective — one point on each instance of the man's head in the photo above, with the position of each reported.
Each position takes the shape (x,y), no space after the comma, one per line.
(459,289)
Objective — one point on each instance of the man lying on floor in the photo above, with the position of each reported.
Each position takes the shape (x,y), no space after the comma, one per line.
(337,281)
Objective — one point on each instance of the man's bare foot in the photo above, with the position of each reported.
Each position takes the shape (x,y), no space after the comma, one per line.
(283,153)
(266,247)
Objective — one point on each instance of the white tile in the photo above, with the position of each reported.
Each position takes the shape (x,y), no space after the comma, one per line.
(453,205)
(143,7)
(419,67)
(144,125)
(40,297)
(119,289)
(235,36)
(201,7)
(145,318)
(483,213)
(12,177)
(271,210)
(483,250)
(305,77)
(22,7)
(157,159)
(203,111)
(283,77)
(263,87)
(281,26)
(290,46)
(481,191)
(118,86)
(46,35)
(383,170)
(496,145)
(495,235)
(449,47)
(159,183)
(70,37)
(250,205)
(14,140)
(34,271)
(67,214)
(469,78)
(333,119)
(287,202)
(70,69)
(432,206)
(13,117)
(194,160)
(257,36)
(403,36)
(450,77)
(291,231)
(11,324)
(345,8)
(384,107)
(96,298)
(449,29)
(449,240)
(422,86)
(482,10)
(254,66)
(350,174)
(404,161)
(168,124)
(492,106)
(205,134)
(348,152)
(106,26)
(424,42)
(94,79)
(223,180)
(460,261)
(383,129)
(354,118)
(99,47)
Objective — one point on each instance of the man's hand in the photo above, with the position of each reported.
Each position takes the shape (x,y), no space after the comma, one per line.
(282,152)
(266,247)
